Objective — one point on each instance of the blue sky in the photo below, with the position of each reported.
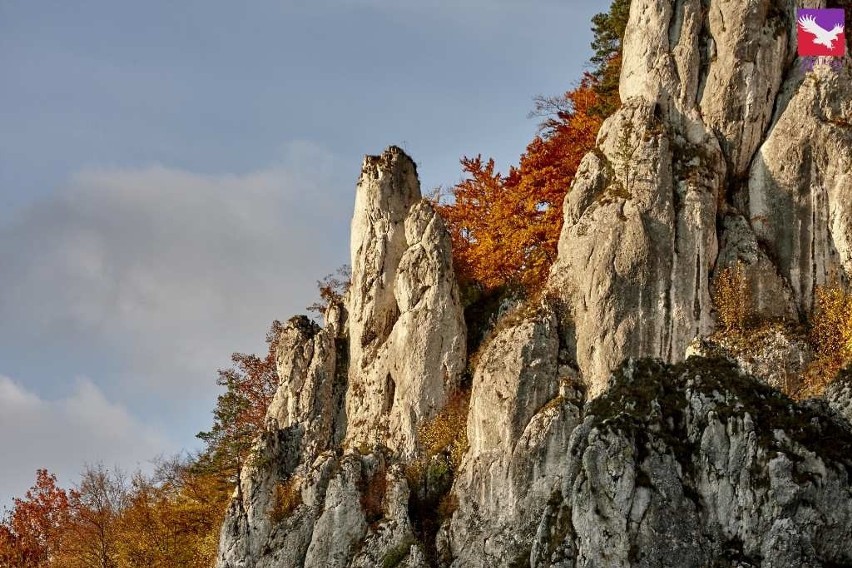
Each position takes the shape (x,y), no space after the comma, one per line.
(173,176)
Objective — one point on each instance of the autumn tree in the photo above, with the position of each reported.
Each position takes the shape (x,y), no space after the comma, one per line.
(505,228)
(31,535)
(172,518)
(332,288)
(93,533)
(250,383)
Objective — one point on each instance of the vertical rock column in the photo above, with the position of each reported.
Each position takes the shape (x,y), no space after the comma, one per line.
(407,331)
(699,83)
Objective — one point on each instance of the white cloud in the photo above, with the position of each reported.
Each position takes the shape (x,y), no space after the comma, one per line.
(64,434)
(146,280)
(170,270)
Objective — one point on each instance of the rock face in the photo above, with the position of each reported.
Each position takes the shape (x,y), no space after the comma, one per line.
(723,153)
(776,354)
(639,241)
(729,470)
(800,188)
(523,409)
(718,122)
(325,486)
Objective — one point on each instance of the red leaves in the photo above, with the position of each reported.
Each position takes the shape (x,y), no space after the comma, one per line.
(30,536)
(505,229)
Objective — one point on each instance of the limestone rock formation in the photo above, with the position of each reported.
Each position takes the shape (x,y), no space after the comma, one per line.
(724,152)
(838,395)
(382,365)
(775,353)
(800,189)
(731,472)
(523,409)
(639,241)
(718,122)
(407,329)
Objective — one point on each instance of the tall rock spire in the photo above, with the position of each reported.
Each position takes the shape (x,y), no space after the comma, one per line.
(407,331)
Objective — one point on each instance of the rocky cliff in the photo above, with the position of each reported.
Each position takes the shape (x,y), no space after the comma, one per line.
(572,446)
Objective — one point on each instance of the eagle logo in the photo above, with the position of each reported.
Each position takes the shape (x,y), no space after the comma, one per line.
(821,33)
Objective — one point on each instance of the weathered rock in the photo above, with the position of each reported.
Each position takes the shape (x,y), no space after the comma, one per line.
(770,296)
(747,53)
(350,511)
(727,469)
(249,527)
(723,152)
(776,354)
(302,421)
(407,325)
(638,242)
(800,190)
(702,84)
(311,365)
(523,409)
(838,394)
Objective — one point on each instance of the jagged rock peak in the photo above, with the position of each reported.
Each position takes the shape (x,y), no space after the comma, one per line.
(406,322)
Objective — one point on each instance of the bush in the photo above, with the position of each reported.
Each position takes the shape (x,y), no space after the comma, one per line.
(831,323)
(288,496)
(732,298)
(447,431)
(831,338)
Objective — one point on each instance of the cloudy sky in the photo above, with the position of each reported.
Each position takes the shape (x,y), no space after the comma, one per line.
(176,175)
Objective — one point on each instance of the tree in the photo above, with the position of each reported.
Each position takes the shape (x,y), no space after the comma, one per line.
(93,534)
(32,534)
(608,31)
(505,229)
(250,383)
(172,518)
(332,289)
(476,218)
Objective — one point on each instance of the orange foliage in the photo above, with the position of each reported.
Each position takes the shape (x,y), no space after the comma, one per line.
(31,534)
(505,228)
(171,519)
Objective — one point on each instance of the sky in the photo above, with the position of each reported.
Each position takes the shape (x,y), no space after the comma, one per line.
(176,175)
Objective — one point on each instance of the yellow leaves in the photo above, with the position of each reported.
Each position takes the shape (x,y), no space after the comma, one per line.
(831,336)
(288,496)
(831,331)
(448,430)
(174,523)
(732,297)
